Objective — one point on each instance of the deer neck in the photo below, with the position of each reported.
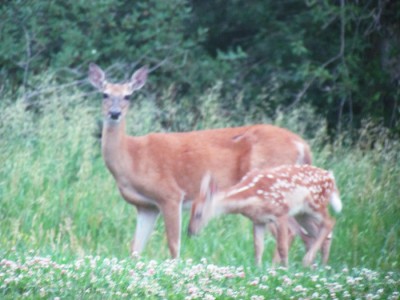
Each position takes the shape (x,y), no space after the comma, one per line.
(223,205)
(237,205)
(113,145)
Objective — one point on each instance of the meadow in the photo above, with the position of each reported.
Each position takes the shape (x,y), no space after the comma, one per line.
(65,231)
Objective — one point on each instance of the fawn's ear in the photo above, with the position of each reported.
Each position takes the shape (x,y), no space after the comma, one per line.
(139,78)
(208,187)
(96,76)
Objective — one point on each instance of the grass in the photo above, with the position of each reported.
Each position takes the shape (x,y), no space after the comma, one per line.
(65,231)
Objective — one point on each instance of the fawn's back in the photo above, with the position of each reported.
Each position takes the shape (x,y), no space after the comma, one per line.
(284,190)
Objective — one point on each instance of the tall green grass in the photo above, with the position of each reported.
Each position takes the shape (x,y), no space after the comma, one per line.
(58,199)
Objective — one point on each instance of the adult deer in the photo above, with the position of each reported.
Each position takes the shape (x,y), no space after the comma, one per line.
(159,171)
(273,195)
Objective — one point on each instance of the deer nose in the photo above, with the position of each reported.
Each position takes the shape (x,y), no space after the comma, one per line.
(114,114)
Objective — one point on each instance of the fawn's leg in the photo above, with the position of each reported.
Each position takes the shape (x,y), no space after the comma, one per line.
(258,234)
(282,238)
(309,229)
(326,248)
(291,235)
(326,228)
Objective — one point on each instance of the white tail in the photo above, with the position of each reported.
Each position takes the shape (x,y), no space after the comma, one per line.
(334,199)
(336,202)
(160,171)
(274,196)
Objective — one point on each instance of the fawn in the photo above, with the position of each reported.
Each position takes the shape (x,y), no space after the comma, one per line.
(273,195)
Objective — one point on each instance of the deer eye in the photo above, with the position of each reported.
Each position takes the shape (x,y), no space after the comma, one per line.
(127,98)
(105,95)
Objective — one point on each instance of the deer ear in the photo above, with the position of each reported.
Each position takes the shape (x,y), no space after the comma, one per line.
(212,187)
(96,76)
(205,183)
(139,78)
(208,187)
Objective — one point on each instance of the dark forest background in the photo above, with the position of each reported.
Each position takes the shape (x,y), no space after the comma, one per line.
(341,58)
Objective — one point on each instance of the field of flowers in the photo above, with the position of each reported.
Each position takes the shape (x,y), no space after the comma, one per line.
(42,277)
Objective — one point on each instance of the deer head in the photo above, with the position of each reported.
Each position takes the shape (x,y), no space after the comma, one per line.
(116,96)
(202,208)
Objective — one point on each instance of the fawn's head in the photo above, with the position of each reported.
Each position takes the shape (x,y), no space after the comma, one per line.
(202,207)
(116,96)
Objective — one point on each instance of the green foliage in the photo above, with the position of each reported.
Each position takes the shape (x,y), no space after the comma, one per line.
(40,35)
(340,57)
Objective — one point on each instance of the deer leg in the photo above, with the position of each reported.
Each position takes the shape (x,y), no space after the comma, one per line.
(309,229)
(326,229)
(314,230)
(326,248)
(273,229)
(258,233)
(146,218)
(172,218)
(291,235)
(282,239)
